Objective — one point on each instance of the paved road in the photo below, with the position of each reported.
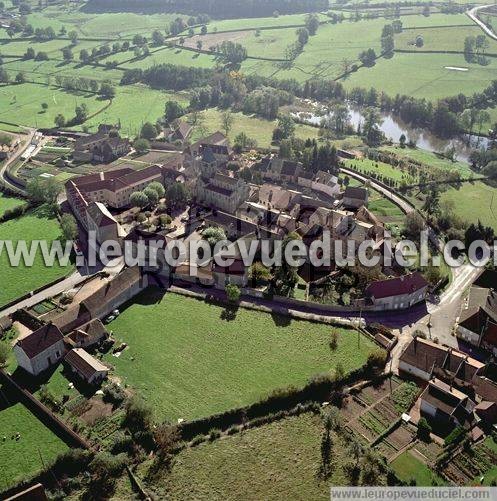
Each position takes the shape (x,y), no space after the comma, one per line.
(404,206)
(441,317)
(26,140)
(472,14)
(71,282)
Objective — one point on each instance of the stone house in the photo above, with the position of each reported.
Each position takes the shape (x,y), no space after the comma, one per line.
(178,131)
(88,335)
(88,368)
(40,350)
(236,273)
(355,197)
(446,405)
(397,293)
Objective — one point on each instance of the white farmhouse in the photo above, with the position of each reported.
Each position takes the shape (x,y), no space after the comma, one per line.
(40,350)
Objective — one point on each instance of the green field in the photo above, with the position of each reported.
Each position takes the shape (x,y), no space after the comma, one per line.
(473,202)
(111,25)
(7,203)
(431,159)
(258,22)
(270,43)
(21,104)
(167,55)
(23,458)
(325,52)
(436,19)
(256,128)
(407,467)
(17,281)
(423,75)
(386,210)
(276,461)
(45,71)
(133,106)
(441,39)
(188,360)
(380,168)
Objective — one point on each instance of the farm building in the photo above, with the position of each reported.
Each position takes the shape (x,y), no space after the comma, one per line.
(85,366)
(397,293)
(40,350)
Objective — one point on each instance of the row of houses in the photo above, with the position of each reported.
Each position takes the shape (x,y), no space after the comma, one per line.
(105,146)
(459,391)
(477,323)
(70,335)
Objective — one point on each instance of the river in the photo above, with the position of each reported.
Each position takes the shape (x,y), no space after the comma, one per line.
(393,127)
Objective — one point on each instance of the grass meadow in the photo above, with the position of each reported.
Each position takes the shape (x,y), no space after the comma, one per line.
(21,104)
(435,19)
(190,359)
(474,202)
(133,106)
(448,38)
(258,22)
(7,203)
(256,128)
(423,76)
(407,466)
(431,159)
(277,461)
(17,281)
(37,446)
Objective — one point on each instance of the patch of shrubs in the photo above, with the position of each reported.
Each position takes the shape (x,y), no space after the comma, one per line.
(113,394)
(215,433)
(455,436)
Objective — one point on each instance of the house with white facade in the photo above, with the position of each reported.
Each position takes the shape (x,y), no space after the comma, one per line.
(40,350)
(88,368)
(397,293)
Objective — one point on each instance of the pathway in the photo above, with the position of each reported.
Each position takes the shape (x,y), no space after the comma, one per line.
(68,283)
(441,317)
(473,15)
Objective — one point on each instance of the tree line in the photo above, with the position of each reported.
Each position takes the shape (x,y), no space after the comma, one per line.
(210,87)
(223,9)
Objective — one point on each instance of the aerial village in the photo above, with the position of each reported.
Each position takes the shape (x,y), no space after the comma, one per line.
(428,398)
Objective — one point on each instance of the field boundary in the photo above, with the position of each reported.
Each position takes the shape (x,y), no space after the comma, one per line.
(45,415)
(219,54)
(412,51)
(439,26)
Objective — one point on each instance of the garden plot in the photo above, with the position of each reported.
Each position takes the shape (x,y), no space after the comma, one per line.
(381,407)
(397,440)
(473,463)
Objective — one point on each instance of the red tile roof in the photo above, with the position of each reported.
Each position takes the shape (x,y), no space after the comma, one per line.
(396,286)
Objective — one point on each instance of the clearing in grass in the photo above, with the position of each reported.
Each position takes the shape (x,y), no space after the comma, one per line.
(34,450)
(17,281)
(280,460)
(9,203)
(255,127)
(189,359)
